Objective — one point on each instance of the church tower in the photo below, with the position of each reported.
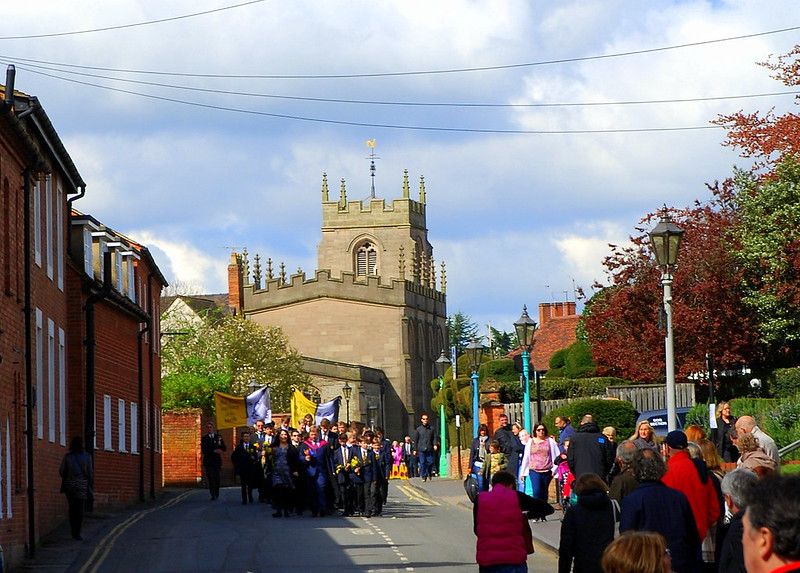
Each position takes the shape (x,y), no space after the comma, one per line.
(372,307)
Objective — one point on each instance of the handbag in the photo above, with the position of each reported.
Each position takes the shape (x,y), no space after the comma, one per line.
(471,487)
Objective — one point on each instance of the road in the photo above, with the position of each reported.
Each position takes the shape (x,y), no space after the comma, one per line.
(193,534)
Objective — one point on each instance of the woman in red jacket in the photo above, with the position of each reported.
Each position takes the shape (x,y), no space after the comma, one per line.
(502,528)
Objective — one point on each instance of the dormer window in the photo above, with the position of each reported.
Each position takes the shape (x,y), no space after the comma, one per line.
(366,260)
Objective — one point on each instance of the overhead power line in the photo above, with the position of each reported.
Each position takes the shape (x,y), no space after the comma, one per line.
(384,125)
(34,67)
(417,72)
(134,25)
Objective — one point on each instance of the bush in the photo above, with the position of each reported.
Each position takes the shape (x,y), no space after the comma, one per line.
(785,382)
(558,360)
(779,418)
(579,363)
(617,413)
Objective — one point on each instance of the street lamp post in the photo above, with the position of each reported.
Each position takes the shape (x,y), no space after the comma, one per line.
(441,365)
(474,354)
(347,391)
(525,328)
(665,239)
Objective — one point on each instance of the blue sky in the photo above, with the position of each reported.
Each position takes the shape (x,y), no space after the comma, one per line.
(519,218)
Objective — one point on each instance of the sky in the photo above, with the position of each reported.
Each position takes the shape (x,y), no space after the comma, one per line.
(545,130)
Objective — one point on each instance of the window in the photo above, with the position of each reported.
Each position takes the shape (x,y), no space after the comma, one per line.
(48,229)
(107,445)
(37,223)
(121,426)
(366,260)
(51,380)
(146,424)
(62,388)
(134,428)
(60,238)
(39,376)
(88,262)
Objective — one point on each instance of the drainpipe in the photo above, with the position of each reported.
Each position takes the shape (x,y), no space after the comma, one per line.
(140,412)
(30,398)
(90,342)
(71,200)
(153,341)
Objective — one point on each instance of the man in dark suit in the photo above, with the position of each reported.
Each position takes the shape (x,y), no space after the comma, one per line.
(409,458)
(340,465)
(257,439)
(245,458)
(210,445)
(376,478)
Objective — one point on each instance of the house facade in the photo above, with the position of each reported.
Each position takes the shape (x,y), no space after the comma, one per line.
(73,337)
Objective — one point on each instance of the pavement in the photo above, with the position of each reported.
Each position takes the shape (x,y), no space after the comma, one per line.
(546,534)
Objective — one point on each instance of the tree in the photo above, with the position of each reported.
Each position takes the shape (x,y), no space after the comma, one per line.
(621,320)
(460,330)
(769,253)
(768,137)
(226,355)
(501,342)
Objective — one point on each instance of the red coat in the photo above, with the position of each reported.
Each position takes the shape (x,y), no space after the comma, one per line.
(499,528)
(683,475)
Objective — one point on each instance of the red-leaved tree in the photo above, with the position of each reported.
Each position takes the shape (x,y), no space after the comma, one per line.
(622,320)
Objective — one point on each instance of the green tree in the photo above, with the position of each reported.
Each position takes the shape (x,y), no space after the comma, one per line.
(768,241)
(501,341)
(226,355)
(460,330)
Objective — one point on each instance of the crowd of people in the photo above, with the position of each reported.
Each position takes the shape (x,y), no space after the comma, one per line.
(645,504)
(323,469)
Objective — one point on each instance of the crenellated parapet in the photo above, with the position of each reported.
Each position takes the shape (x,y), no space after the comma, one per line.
(298,288)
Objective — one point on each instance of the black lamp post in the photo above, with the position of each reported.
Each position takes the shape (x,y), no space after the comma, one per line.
(347,391)
(665,238)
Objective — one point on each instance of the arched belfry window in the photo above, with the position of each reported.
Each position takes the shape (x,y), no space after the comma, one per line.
(366,260)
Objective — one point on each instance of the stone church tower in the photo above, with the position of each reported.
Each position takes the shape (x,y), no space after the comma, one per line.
(371,315)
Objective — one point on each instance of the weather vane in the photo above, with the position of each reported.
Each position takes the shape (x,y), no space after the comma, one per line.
(372,157)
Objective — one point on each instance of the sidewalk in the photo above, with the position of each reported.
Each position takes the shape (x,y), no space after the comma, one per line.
(450,490)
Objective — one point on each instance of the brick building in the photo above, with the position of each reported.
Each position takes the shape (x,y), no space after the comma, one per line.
(51,276)
(370,315)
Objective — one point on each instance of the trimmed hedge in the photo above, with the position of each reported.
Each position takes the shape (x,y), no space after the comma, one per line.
(618,413)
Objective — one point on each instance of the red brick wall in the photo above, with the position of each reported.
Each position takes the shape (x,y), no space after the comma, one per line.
(182,459)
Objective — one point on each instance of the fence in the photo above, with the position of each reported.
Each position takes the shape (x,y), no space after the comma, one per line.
(643,398)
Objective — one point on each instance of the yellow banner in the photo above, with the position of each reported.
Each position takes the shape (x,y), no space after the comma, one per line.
(301,406)
(231,410)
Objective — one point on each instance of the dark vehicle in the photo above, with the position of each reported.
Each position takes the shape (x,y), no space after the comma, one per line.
(658,419)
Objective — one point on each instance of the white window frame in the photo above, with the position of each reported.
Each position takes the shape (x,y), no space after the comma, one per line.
(107,443)
(62,387)
(37,223)
(88,257)
(39,375)
(134,428)
(147,424)
(60,238)
(48,220)
(51,380)
(121,435)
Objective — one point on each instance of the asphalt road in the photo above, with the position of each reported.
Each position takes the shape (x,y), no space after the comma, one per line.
(421,530)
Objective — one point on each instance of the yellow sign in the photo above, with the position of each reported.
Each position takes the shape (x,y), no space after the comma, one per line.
(301,406)
(231,410)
